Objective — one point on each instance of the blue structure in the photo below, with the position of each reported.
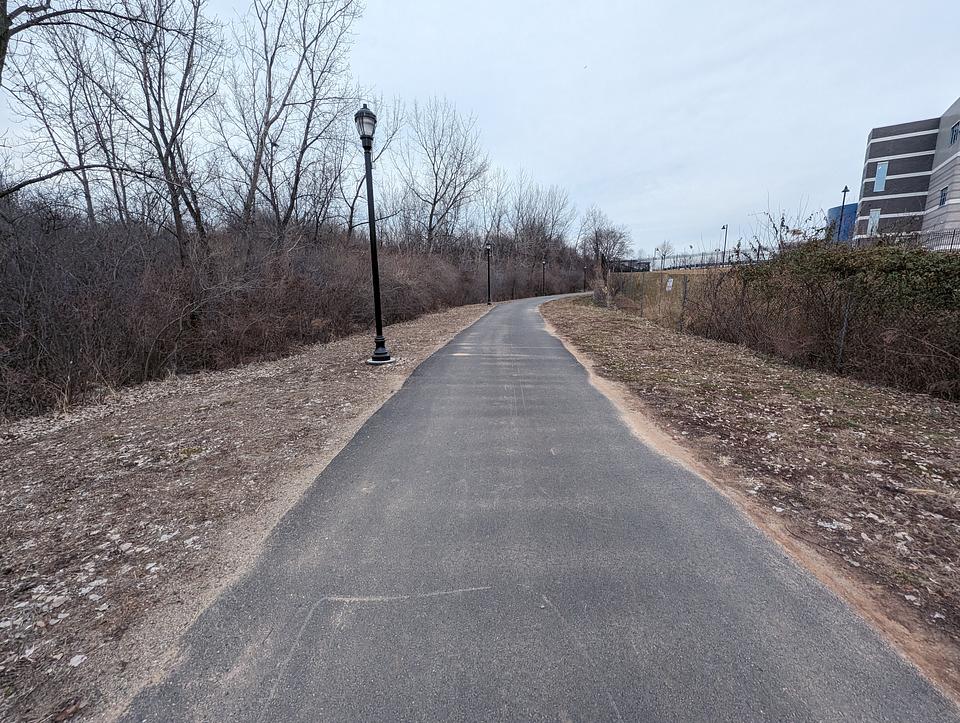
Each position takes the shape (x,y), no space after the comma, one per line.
(849,220)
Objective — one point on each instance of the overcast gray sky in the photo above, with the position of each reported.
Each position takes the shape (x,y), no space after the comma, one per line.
(674,117)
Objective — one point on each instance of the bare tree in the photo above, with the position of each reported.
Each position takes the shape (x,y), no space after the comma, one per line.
(494,208)
(63,89)
(105,19)
(600,238)
(48,88)
(663,250)
(168,78)
(352,173)
(285,105)
(539,218)
(441,167)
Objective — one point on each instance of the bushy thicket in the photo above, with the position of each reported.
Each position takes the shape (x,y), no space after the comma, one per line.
(186,195)
(884,314)
(88,308)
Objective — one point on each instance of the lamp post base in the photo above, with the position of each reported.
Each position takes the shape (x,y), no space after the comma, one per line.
(380,353)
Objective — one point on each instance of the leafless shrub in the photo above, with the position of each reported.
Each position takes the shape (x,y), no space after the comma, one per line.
(182,205)
(885,314)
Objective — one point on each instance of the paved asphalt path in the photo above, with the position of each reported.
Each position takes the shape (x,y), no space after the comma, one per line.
(495,545)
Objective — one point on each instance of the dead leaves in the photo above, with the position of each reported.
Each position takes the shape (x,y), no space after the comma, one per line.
(869,473)
(112,508)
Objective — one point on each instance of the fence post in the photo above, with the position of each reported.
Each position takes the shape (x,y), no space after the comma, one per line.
(642,285)
(683,302)
(842,337)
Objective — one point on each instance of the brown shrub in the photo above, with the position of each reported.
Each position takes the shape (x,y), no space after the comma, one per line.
(889,315)
(87,309)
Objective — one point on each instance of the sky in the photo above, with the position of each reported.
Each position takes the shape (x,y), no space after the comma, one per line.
(673,117)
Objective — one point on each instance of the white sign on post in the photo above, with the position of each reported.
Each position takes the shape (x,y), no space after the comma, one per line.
(669,283)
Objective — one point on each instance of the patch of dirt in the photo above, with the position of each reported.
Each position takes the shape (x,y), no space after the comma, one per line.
(122,520)
(859,483)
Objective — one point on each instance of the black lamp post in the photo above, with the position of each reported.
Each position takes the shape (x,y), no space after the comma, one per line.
(842,204)
(723,258)
(488,274)
(584,278)
(543,277)
(366,124)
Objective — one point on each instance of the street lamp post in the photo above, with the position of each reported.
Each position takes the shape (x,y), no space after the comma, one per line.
(584,278)
(723,258)
(842,204)
(488,275)
(543,277)
(366,124)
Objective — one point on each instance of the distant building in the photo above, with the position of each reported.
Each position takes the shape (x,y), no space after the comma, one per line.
(911,177)
(943,202)
(849,220)
(625,266)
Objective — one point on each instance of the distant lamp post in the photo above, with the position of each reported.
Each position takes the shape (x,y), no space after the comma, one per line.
(488,275)
(543,277)
(584,278)
(366,124)
(840,222)
(723,258)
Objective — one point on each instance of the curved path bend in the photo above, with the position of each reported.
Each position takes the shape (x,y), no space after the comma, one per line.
(494,544)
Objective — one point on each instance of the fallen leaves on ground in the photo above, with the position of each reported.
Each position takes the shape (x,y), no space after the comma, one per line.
(868,473)
(112,509)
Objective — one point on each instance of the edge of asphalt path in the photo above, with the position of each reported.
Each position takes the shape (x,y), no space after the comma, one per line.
(866,606)
(925,651)
(157,635)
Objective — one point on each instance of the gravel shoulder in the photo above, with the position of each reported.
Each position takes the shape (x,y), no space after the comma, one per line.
(861,484)
(124,519)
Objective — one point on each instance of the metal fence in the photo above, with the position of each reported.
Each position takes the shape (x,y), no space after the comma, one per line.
(939,240)
(946,241)
(706,259)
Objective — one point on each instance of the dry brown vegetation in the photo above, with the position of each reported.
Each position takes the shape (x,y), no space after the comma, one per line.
(128,510)
(867,474)
(85,311)
(190,194)
(883,314)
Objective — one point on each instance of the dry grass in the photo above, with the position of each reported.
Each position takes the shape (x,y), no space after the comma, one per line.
(118,510)
(869,474)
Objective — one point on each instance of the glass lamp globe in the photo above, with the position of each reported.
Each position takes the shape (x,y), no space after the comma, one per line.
(366,121)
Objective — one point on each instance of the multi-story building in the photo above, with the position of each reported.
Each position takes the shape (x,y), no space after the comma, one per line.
(842,219)
(911,177)
(942,212)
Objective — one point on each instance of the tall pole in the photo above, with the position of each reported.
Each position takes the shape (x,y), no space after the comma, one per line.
(543,277)
(584,278)
(488,275)
(380,353)
(723,258)
(842,204)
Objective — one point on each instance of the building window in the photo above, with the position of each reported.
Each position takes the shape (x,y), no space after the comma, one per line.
(874,221)
(880,177)
(943,195)
(955,133)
